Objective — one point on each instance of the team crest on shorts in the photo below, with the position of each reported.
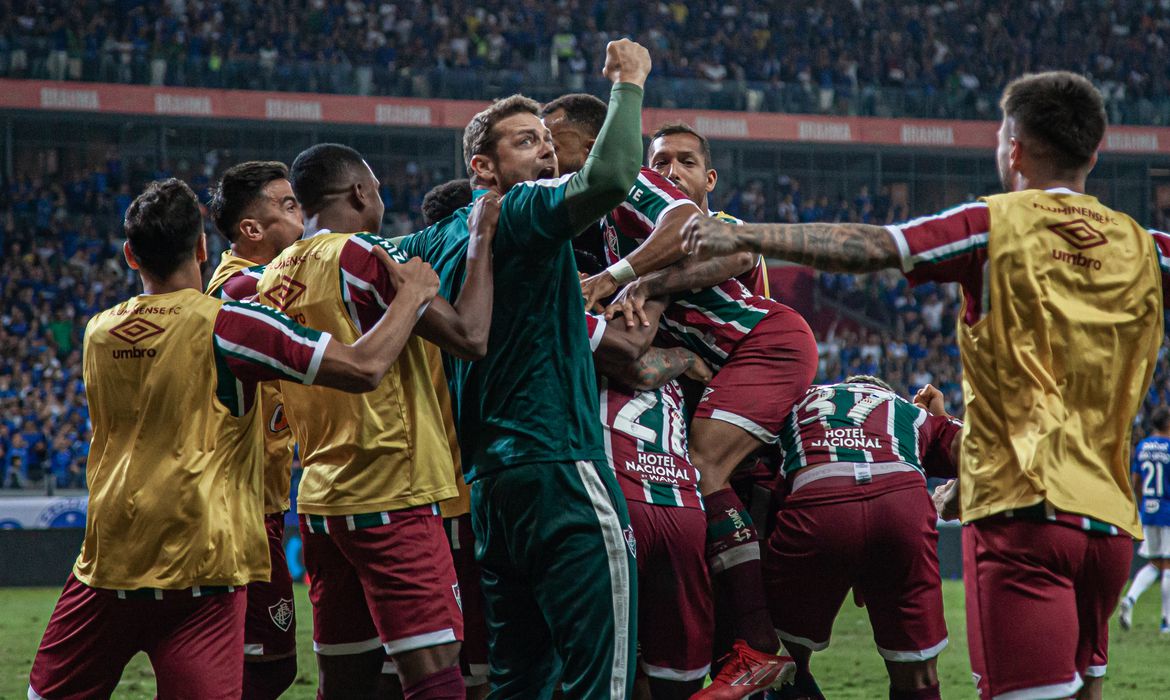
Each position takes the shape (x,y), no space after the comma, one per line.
(282,614)
(458,596)
(631,541)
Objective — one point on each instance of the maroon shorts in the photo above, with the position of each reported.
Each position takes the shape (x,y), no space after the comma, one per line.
(675,608)
(473,657)
(1039,598)
(270,627)
(389,585)
(193,643)
(767,373)
(877,538)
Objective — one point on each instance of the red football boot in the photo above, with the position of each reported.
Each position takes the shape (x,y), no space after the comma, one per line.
(748,671)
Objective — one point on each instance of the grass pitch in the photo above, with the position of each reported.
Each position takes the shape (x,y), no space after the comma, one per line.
(850,669)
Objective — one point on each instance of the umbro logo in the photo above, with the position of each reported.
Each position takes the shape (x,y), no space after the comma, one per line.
(283,295)
(1079,233)
(135,330)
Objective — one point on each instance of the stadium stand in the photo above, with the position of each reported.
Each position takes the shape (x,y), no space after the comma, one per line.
(939,59)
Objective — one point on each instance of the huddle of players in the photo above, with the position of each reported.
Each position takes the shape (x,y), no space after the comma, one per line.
(167,548)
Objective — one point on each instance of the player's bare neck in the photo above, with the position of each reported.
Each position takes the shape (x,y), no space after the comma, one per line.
(255,253)
(341,219)
(186,277)
(1052,180)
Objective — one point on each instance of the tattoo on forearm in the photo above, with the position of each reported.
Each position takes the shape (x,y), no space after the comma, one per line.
(658,366)
(829,247)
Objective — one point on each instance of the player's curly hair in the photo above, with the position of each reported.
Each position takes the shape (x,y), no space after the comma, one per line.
(445,199)
(163,225)
(1062,111)
(479,136)
(240,186)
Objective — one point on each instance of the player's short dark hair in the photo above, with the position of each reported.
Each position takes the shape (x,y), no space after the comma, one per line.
(241,186)
(479,136)
(581,110)
(869,379)
(445,199)
(322,170)
(1060,110)
(1160,419)
(671,128)
(163,225)
(587,261)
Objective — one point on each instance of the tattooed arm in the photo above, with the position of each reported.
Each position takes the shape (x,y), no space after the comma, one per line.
(688,273)
(657,367)
(829,247)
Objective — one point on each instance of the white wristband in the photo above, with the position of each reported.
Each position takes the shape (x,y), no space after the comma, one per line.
(622,271)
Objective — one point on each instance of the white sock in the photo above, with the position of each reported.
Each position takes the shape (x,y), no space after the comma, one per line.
(1142,580)
(1166,594)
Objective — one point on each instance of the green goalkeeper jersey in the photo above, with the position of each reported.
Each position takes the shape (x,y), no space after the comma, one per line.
(533,398)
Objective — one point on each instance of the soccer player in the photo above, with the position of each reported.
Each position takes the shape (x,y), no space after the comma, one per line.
(857,515)
(175,526)
(1061,324)
(1151,479)
(254,208)
(765,358)
(375,465)
(552,533)
(646,446)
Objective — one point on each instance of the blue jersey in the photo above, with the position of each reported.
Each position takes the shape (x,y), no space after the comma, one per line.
(1151,468)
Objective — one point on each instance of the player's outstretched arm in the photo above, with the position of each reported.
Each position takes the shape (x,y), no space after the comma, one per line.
(688,273)
(360,367)
(462,329)
(829,247)
(616,157)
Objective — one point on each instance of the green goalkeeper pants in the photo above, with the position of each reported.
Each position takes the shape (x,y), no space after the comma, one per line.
(559,581)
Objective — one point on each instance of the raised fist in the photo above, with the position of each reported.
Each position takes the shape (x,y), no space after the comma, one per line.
(626,62)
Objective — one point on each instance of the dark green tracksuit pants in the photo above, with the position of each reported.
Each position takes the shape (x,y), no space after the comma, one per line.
(559,580)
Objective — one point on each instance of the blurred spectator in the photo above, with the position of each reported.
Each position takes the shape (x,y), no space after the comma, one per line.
(881,58)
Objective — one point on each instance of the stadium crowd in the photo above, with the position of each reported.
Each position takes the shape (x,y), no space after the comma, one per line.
(62,262)
(940,59)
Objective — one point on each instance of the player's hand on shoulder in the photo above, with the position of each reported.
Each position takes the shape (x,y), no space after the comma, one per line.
(413,278)
(930,399)
(482,224)
(626,62)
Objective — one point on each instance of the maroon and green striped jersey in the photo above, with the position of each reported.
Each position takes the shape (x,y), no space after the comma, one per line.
(710,322)
(645,435)
(864,423)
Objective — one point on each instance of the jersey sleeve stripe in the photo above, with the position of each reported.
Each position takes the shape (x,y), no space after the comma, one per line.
(318,355)
(903,247)
(249,355)
(945,214)
(295,332)
(675,205)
